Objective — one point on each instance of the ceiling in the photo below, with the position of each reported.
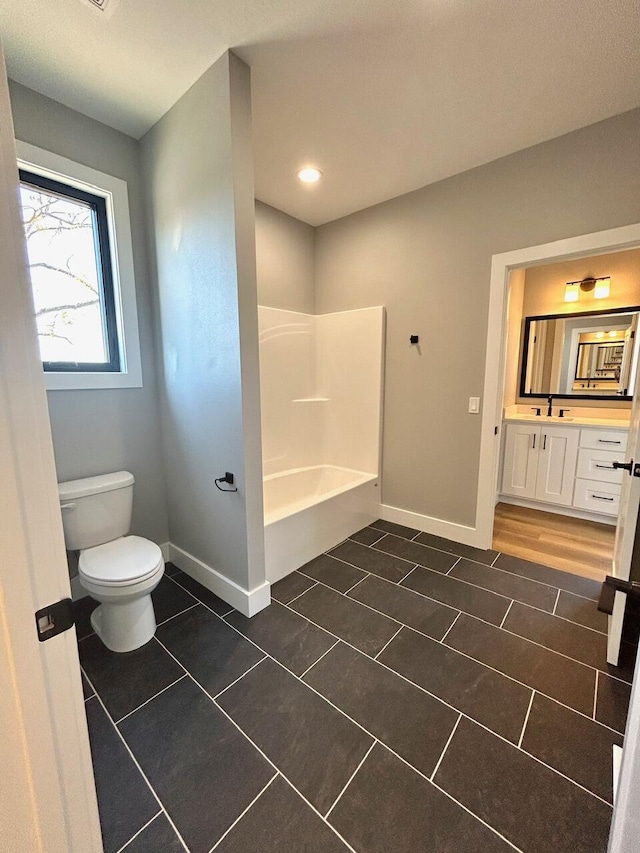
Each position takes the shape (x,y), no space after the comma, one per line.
(384,96)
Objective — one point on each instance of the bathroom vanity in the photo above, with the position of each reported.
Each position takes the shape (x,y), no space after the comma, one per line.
(564,464)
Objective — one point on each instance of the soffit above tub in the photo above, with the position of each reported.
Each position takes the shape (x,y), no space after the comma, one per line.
(384,96)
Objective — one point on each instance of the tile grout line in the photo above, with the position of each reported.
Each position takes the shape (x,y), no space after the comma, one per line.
(504,618)
(142,829)
(243,813)
(388,641)
(117,722)
(443,638)
(378,551)
(595,697)
(351,778)
(556,603)
(236,680)
(435,696)
(246,736)
(346,592)
(446,746)
(451,797)
(186,610)
(357,601)
(183,588)
(491,565)
(439,550)
(460,580)
(135,761)
(319,659)
(468,811)
(412,569)
(458,651)
(526,720)
(380,663)
(464,654)
(448,572)
(297,596)
(267,759)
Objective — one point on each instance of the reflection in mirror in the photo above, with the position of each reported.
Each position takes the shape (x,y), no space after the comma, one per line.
(581,355)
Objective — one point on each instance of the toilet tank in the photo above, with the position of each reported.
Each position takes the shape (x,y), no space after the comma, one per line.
(96,510)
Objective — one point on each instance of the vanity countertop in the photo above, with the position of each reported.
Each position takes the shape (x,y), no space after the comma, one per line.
(577,421)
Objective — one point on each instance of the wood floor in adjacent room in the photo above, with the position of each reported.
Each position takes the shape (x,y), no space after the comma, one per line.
(571,544)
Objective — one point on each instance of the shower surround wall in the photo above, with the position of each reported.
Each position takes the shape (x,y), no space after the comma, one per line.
(321,390)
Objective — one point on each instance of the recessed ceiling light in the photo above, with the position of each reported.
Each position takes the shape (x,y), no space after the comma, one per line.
(309,175)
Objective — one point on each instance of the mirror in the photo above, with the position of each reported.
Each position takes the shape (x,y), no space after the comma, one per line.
(587,355)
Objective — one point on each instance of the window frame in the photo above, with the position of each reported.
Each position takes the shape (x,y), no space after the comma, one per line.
(100,230)
(113,191)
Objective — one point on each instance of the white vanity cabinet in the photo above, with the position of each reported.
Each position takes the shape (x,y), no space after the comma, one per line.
(540,462)
(568,466)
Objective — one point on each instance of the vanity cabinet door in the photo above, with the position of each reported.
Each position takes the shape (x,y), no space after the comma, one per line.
(520,460)
(557,462)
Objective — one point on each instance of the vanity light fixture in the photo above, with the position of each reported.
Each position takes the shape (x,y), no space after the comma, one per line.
(599,287)
(309,175)
(572,291)
(602,288)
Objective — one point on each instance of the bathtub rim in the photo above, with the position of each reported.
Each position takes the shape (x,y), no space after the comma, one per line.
(359,479)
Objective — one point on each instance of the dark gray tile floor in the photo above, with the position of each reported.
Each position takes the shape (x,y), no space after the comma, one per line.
(402,693)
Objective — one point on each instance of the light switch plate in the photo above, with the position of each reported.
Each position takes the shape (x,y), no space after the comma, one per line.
(474,405)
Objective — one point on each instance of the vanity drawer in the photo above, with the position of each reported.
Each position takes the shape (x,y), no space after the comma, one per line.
(597,497)
(598,465)
(603,439)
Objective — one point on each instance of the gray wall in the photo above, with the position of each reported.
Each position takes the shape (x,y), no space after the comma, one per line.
(285,254)
(96,432)
(426,256)
(199,175)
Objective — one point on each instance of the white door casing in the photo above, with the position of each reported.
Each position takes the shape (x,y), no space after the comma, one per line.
(48,800)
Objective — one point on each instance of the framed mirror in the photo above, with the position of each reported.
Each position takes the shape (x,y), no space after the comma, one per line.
(593,354)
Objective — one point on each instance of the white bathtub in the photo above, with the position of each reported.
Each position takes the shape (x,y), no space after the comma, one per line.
(309,510)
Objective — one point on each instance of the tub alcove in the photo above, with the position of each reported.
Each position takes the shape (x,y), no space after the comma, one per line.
(321,382)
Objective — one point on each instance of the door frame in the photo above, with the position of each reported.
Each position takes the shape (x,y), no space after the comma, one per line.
(572,248)
(50,801)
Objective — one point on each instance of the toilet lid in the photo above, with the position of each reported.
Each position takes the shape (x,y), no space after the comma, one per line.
(130,558)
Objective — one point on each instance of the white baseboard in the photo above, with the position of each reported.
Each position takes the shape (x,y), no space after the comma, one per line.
(164,547)
(428,524)
(248,602)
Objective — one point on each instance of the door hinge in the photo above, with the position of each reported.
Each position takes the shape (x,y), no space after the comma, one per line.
(54,619)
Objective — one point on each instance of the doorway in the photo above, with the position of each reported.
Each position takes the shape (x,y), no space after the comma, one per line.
(571,362)
(553,532)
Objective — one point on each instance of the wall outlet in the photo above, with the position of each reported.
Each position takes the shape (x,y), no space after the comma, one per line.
(474,405)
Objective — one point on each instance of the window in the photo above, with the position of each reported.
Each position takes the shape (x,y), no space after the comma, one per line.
(69,258)
(80,256)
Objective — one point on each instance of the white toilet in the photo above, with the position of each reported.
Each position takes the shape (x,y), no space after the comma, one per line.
(117,570)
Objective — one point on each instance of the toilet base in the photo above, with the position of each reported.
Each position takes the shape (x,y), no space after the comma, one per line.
(125,626)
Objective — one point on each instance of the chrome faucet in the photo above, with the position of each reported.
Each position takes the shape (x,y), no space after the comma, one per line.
(550,409)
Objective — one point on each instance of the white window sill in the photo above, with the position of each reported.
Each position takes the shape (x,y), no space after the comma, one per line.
(90,381)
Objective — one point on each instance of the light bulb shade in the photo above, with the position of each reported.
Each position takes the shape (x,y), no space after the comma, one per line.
(572,291)
(602,289)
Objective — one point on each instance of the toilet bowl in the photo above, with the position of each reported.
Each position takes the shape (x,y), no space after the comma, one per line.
(118,570)
(121,575)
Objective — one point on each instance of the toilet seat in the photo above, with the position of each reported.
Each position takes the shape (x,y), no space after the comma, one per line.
(122,562)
